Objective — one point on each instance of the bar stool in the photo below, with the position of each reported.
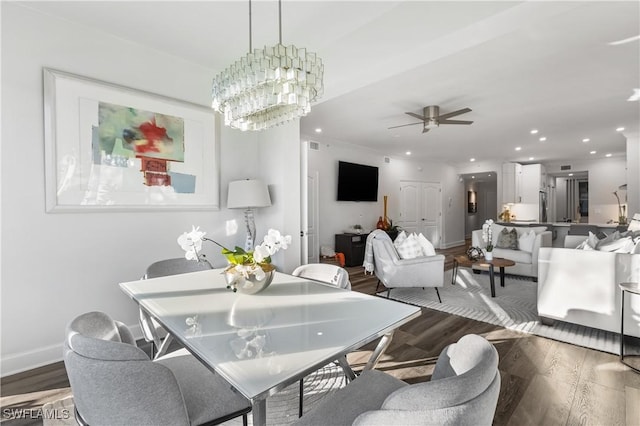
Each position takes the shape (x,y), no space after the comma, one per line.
(632,288)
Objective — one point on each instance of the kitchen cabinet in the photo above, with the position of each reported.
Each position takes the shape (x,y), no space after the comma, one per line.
(511,183)
(532,181)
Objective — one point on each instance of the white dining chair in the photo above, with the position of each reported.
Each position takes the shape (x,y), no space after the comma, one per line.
(338,277)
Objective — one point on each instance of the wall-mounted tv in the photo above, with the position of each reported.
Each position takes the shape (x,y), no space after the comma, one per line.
(357,182)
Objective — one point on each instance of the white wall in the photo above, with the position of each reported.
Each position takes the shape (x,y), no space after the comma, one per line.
(56,266)
(337,216)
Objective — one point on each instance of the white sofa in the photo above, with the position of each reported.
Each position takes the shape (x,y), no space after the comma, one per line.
(581,287)
(526,262)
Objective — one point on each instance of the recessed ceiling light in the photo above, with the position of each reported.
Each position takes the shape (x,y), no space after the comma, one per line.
(531,158)
(472,159)
(608,155)
(518,148)
(489,175)
(592,152)
(570,174)
(318,130)
(534,131)
(473,177)
(620,129)
(542,139)
(408,152)
(635,96)
(585,140)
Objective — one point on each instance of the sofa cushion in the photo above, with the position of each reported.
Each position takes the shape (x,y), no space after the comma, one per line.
(518,256)
(508,239)
(526,241)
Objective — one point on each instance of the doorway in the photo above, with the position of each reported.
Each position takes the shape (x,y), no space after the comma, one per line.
(421,209)
(481,193)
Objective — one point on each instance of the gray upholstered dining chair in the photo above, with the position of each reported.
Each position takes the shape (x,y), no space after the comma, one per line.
(338,277)
(151,330)
(463,390)
(115,383)
(393,272)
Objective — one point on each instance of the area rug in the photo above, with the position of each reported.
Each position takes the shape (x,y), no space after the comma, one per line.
(514,307)
(282,408)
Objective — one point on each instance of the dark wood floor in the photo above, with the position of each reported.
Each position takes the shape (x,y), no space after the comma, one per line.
(544,382)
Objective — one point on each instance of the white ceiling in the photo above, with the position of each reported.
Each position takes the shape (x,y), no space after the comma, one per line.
(518,65)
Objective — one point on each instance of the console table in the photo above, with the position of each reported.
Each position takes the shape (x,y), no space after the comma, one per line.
(352,246)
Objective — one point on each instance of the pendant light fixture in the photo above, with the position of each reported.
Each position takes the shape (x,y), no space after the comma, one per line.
(269,86)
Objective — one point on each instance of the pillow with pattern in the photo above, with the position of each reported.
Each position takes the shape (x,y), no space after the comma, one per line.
(508,239)
(410,248)
(399,239)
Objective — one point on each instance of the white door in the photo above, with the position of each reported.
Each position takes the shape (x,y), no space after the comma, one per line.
(431,209)
(313,219)
(421,209)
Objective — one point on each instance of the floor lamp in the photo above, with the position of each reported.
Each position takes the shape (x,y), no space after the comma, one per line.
(248,194)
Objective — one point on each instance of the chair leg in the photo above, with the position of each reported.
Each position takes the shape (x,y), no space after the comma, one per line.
(438,293)
(245,422)
(301,397)
(377,286)
(388,292)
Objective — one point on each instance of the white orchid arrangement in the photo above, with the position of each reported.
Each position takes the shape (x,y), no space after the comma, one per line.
(487,235)
(242,262)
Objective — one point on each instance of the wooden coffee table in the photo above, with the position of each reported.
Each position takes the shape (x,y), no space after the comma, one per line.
(500,262)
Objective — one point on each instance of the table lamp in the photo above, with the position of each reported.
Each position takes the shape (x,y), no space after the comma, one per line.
(248,194)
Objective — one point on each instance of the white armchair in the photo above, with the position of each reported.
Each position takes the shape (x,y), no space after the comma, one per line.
(394,272)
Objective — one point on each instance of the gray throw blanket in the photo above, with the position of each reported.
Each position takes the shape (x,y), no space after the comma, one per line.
(369,262)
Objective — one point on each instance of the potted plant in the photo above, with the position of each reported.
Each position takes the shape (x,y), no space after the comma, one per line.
(487,237)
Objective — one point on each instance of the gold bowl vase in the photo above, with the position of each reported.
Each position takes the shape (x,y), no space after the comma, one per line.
(250,284)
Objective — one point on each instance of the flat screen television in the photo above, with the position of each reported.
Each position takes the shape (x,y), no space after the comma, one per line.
(357,182)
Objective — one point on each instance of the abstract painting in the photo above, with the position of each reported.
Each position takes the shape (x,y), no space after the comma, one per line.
(116,148)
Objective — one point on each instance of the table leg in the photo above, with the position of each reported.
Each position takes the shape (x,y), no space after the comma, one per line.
(454,273)
(259,412)
(492,281)
(377,353)
(346,368)
(502,276)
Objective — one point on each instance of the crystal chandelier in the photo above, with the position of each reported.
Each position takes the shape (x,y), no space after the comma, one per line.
(269,86)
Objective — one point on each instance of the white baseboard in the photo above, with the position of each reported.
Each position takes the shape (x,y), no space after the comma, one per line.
(452,244)
(28,360)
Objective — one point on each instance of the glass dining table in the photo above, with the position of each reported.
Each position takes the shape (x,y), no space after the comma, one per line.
(262,343)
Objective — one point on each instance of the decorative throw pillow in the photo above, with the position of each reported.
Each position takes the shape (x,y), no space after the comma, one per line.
(427,247)
(508,239)
(409,248)
(603,242)
(526,241)
(399,239)
(634,224)
(621,245)
(590,243)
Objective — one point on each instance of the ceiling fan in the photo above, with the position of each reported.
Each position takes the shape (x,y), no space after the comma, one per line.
(431,117)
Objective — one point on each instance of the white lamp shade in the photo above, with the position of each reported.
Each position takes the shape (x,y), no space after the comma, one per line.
(248,193)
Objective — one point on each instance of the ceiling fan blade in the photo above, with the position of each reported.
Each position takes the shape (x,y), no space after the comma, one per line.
(454,122)
(404,125)
(419,117)
(454,113)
